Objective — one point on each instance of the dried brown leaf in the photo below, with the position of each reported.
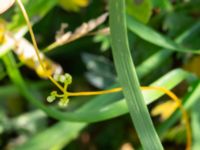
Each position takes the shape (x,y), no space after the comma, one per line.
(81,31)
(61,31)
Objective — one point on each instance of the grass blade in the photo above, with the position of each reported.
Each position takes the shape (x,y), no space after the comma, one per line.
(195,126)
(57,136)
(148,34)
(128,78)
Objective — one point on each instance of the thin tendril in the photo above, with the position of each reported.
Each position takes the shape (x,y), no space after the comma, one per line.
(180,105)
(164,90)
(95,92)
(21,6)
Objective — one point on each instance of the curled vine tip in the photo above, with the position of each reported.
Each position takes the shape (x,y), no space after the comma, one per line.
(65,79)
(52,96)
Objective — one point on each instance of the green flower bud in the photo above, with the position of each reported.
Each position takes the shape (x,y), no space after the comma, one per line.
(56,77)
(54,93)
(51,98)
(68,78)
(63,102)
(62,79)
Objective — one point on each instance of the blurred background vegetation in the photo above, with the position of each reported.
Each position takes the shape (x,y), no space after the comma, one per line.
(89,60)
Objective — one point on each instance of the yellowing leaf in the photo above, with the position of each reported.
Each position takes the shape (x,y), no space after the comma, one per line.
(2,31)
(73,5)
(164,110)
(193,65)
(140,9)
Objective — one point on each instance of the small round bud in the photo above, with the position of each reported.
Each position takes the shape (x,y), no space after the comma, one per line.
(51,98)
(62,79)
(63,102)
(68,78)
(54,93)
(56,77)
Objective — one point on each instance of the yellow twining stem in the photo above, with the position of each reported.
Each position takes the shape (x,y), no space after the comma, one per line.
(21,6)
(180,105)
(114,90)
(63,89)
(164,90)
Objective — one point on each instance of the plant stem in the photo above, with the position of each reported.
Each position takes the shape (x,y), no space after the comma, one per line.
(35,44)
(147,88)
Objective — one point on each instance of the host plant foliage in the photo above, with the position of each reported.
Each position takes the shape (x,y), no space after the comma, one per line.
(125,68)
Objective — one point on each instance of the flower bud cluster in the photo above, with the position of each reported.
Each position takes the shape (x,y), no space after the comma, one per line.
(65,79)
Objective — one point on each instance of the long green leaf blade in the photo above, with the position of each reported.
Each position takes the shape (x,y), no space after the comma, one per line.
(128,78)
(195,124)
(154,37)
(57,137)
